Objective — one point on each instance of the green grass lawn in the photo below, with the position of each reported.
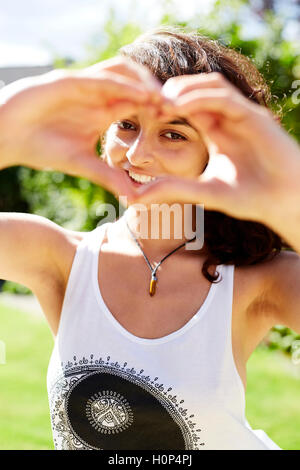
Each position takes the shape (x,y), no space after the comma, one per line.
(272,398)
(24,413)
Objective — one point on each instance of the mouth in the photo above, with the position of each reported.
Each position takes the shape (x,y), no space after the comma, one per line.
(139,180)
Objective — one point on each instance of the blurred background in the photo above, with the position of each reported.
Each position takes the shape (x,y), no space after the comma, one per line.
(39,36)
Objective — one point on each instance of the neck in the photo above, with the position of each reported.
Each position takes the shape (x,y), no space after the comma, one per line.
(161,231)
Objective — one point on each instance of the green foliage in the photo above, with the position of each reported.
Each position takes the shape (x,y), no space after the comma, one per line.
(276,58)
(11,199)
(69,201)
(14,288)
(281,337)
(116,35)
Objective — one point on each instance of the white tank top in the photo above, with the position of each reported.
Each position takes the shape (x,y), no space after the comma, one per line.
(111,390)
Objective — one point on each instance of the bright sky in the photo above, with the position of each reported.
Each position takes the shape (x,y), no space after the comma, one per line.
(33,31)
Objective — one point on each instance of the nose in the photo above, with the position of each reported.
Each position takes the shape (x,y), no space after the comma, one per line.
(140,151)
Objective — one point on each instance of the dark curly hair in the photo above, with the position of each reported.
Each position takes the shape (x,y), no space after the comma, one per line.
(169,52)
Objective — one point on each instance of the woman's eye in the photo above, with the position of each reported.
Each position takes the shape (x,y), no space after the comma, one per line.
(124,125)
(177,136)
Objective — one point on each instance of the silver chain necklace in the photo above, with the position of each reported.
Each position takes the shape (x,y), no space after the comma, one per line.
(153,280)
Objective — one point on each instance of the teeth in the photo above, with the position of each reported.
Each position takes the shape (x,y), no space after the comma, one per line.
(141,178)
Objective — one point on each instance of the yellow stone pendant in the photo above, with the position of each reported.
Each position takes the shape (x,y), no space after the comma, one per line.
(153,285)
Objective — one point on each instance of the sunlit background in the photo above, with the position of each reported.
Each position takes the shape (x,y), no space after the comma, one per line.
(36,37)
(35,33)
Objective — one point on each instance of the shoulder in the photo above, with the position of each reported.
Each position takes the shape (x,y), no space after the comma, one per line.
(284,289)
(34,242)
(61,244)
(38,253)
(51,284)
(270,288)
(280,278)
(67,242)
(264,273)
(255,305)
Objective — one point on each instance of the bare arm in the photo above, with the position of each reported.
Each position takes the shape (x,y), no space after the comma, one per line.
(38,254)
(53,121)
(30,249)
(284,292)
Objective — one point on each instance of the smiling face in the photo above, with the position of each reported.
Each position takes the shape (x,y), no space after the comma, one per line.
(142,145)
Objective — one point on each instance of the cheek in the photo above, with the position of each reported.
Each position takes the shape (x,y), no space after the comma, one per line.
(115,147)
(201,160)
(189,162)
(114,151)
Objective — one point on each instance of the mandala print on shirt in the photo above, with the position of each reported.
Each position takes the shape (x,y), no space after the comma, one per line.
(109,412)
(98,404)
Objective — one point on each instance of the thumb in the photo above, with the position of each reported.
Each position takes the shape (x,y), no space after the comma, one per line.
(97,171)
(169,189)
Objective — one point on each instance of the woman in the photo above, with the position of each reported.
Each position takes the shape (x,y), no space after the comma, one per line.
(167,370)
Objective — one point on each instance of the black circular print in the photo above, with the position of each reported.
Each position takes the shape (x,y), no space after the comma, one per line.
(109,407)
(108,412)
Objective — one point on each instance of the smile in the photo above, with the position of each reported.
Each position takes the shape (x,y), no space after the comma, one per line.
(142,179)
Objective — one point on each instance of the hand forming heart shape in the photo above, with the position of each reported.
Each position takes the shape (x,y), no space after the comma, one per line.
(53,121)
(58,117)
(254,165)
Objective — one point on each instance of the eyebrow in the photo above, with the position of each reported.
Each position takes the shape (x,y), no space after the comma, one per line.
(181,121)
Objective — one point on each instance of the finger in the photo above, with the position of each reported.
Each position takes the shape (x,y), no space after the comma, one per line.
(233,149)
(89,166)
(58,90)
(124,66)
(177,86)
(82,120)
(137,72)
(212,192)
(218,100)
(128,68)
(218,136)
(204,121)
(114,85)
(34,83)
(251,128)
